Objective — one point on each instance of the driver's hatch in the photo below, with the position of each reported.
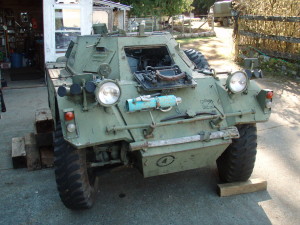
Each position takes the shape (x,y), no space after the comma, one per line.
(154,68)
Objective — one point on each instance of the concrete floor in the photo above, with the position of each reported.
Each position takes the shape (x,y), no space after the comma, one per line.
(183,198)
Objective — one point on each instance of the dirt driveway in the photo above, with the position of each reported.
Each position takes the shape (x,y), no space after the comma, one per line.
(218,50)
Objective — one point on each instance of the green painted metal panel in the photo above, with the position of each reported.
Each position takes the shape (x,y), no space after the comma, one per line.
(94,58)
(222,9)
(176,158)
(209,96)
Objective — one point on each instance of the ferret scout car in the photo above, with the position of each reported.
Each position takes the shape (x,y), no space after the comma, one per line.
(142,101)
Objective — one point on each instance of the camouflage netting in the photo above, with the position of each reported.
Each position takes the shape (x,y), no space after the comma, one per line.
(282,8)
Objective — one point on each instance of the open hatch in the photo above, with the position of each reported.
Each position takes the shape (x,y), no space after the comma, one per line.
(154,68)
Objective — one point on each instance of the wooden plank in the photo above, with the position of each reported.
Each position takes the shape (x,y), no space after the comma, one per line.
(276,54)
(44,121)
(54,73)
(18,153)
(44,139)
(271,18)
(285,55)
(32,152)
(237,188)
(271,37)
(55,65)
(47,156)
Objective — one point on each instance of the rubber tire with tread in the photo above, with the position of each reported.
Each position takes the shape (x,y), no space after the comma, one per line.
(225,22)
(72,178)
(237,161)
(198,58)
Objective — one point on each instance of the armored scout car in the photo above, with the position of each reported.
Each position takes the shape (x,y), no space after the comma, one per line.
(142,101)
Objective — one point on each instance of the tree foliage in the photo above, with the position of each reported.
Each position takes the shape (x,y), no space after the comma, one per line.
(202,6)
(158,7)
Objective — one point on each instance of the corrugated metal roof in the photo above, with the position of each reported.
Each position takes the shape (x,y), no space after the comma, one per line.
(112,4)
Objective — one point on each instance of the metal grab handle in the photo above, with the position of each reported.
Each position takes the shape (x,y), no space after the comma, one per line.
(161,67)
(170,78)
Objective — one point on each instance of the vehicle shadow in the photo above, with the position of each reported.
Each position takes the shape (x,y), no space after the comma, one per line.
(188,197)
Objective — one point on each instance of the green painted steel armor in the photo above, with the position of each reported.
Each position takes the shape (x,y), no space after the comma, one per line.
(89,98)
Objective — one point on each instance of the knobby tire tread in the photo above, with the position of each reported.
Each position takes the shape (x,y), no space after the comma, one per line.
(72,179)
(197,58)
(237,161)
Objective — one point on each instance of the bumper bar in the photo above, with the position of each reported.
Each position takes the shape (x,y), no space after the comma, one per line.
(230,132)
(114,129)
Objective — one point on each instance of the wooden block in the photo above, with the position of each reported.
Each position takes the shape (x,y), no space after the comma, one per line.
(44,139)
(47,156)
(18,153)
(44,121)
(236,188)
(32,152)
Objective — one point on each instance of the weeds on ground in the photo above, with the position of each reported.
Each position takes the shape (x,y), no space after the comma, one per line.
(281,69)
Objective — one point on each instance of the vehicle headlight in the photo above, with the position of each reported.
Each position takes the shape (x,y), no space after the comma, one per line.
(237,82)
(108,93)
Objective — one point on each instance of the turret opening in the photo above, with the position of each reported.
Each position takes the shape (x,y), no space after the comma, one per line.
(140,57)
(154,68)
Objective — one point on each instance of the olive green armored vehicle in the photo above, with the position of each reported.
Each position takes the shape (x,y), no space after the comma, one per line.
(142,101)
(221,12)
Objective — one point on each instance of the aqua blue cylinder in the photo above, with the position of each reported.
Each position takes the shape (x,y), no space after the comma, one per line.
(156,102)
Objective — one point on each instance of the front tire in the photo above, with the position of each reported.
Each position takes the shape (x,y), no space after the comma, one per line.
(77,186)
(237,161)
(225,22)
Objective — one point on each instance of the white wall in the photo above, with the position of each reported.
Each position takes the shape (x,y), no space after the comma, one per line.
(86,8)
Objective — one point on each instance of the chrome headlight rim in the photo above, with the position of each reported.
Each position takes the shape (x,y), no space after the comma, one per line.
(98,89)
(231,76)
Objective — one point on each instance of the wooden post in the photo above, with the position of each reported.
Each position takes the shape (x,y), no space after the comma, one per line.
(161,24)
(172,29)
(18,153)
(190,23)
(32,152)
(44,121)
(44,138)
(236,39)
(124,19)
(47,157)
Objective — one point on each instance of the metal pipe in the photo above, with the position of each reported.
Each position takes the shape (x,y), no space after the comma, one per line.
(137,126)
(111,162)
